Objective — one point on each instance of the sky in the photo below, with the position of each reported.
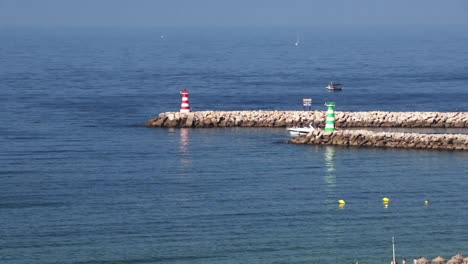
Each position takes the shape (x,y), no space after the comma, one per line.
(181,13)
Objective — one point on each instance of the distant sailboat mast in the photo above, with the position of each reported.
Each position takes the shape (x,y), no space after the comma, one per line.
(298,39)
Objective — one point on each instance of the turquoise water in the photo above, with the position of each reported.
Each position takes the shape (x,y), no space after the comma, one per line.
(82,181)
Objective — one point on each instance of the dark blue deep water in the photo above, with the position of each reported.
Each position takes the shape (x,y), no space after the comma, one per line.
(82,181)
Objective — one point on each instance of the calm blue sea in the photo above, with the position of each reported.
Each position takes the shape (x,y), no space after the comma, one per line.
(83,181)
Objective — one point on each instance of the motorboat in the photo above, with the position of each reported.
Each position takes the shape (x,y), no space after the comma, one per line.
(300,131)
(334,86)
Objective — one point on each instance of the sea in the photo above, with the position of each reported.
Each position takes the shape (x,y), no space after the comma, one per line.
(83,181)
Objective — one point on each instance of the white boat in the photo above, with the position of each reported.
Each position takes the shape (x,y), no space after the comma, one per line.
(300,131)
(298,40)
(334,86)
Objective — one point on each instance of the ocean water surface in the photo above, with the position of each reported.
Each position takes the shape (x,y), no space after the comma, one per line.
(83,181)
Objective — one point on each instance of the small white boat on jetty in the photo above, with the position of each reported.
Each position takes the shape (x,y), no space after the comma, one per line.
(334,86)
(300,131)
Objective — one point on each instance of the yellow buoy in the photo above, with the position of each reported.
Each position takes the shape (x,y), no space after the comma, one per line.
(343,202)
(426,202)
(386,200)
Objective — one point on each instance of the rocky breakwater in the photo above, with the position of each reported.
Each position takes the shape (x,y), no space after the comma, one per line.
(237,119)
(402,119)
(365,138)
(304,118)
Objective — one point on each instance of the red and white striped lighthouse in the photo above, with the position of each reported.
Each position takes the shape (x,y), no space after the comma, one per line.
(184,106)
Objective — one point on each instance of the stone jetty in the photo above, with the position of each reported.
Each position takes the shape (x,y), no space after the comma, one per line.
(365,138)
(304,118)
(342,136)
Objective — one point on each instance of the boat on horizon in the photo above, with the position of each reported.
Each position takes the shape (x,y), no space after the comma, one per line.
(334,86)
(298,40)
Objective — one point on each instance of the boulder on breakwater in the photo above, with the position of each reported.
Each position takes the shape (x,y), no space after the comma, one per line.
(261,118)
(385,139)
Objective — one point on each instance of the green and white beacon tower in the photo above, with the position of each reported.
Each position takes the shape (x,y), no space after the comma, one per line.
(330,120)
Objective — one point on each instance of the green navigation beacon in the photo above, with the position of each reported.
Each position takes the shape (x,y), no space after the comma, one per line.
(330,120)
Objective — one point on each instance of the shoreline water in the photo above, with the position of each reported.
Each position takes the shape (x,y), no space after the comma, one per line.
(100,188)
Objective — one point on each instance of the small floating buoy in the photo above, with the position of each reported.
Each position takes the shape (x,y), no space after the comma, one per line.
(341,203)
(386,200)
(426,202)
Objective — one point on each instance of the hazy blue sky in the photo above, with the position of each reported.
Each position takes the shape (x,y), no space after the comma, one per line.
(232,12)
